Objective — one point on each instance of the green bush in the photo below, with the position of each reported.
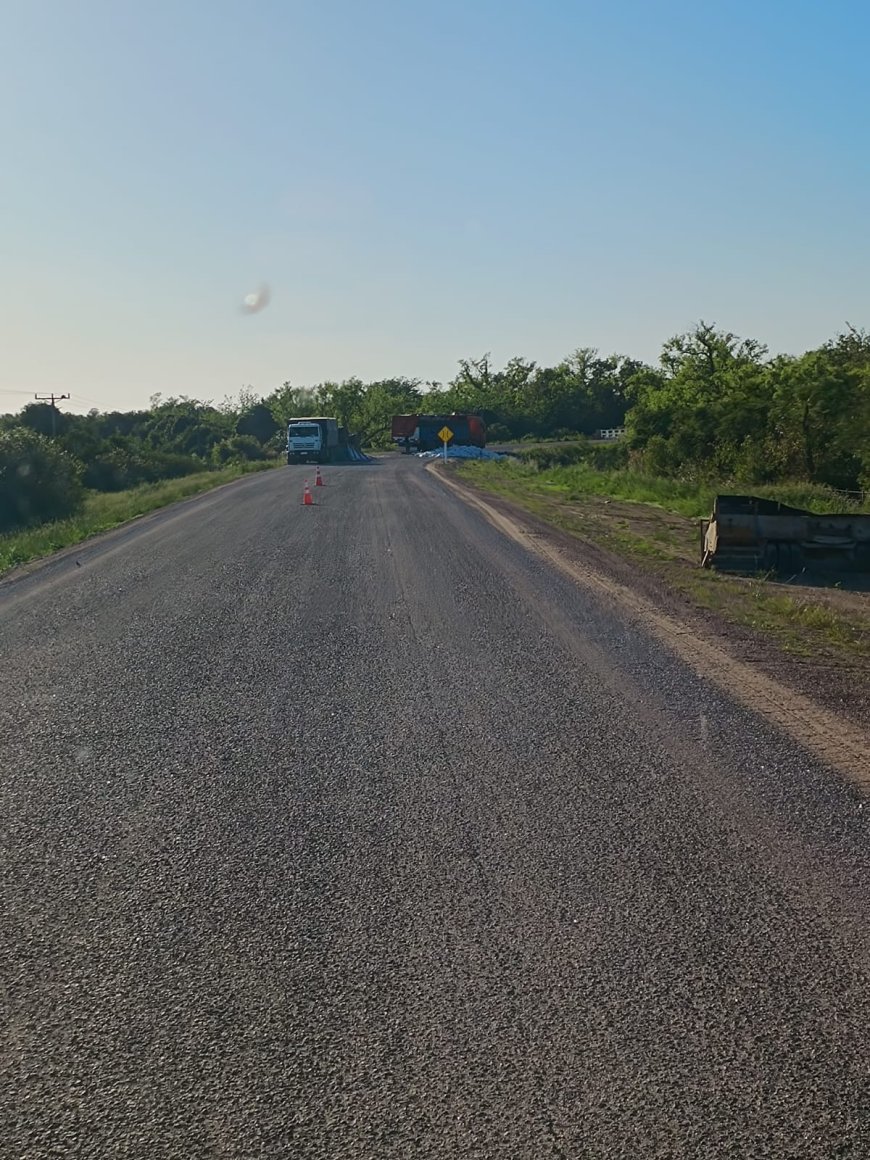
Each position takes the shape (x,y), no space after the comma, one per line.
(121,468)
(557,455)
(608,456)
(38,480)
(237,449)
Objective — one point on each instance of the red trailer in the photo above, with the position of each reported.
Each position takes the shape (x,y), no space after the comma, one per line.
(420,432)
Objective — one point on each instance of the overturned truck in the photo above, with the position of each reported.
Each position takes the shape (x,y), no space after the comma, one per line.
(748,534)
(422,432)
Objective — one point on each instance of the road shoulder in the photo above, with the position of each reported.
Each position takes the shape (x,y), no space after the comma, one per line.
(825,708)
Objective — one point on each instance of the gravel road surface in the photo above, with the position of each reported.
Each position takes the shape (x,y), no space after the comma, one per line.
(357,831)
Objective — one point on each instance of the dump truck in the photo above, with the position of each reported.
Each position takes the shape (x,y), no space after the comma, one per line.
(320,440)
(312,440)
(749,534)
(420,432)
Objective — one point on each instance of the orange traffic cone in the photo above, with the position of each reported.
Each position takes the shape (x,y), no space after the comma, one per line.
(318,482)
(307,498)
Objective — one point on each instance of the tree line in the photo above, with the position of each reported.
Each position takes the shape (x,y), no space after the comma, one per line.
(50,458)
(713,407)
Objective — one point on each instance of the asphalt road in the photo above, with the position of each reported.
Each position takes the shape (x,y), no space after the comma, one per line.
(355,831)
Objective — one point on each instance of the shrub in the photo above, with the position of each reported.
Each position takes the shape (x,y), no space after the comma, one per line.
(608,456)
(122,467)
(237,449)
(38,480)
(557,455)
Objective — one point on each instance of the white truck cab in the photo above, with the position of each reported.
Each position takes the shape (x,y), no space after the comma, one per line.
(311,440)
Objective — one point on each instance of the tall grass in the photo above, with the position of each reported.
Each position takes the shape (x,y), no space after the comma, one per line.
(686,498)
(105,510)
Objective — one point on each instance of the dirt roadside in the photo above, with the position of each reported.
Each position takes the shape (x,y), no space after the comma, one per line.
(822,702)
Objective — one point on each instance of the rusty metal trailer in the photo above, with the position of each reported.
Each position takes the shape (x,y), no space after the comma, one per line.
(748,534)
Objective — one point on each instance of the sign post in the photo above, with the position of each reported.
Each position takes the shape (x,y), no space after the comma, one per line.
(445,435)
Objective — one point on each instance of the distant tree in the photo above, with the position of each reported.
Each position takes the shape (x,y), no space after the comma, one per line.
(581,394)
(257,422)
(289,402)
(44,419)
(710,395)
(341,400)
(238,404)
(377,405)
(821,412)
(499,396)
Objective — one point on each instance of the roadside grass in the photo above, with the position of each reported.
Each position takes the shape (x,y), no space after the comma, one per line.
(689,499)
(801,624)
(103,511)
(655,523)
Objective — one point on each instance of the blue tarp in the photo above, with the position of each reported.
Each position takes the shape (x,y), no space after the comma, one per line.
(462,453)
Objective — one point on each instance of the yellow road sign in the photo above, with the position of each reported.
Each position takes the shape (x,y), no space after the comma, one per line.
(445,434)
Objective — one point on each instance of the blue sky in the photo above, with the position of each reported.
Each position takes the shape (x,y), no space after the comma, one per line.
(418,182)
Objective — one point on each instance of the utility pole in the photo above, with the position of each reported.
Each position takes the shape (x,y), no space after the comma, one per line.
(51,398)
